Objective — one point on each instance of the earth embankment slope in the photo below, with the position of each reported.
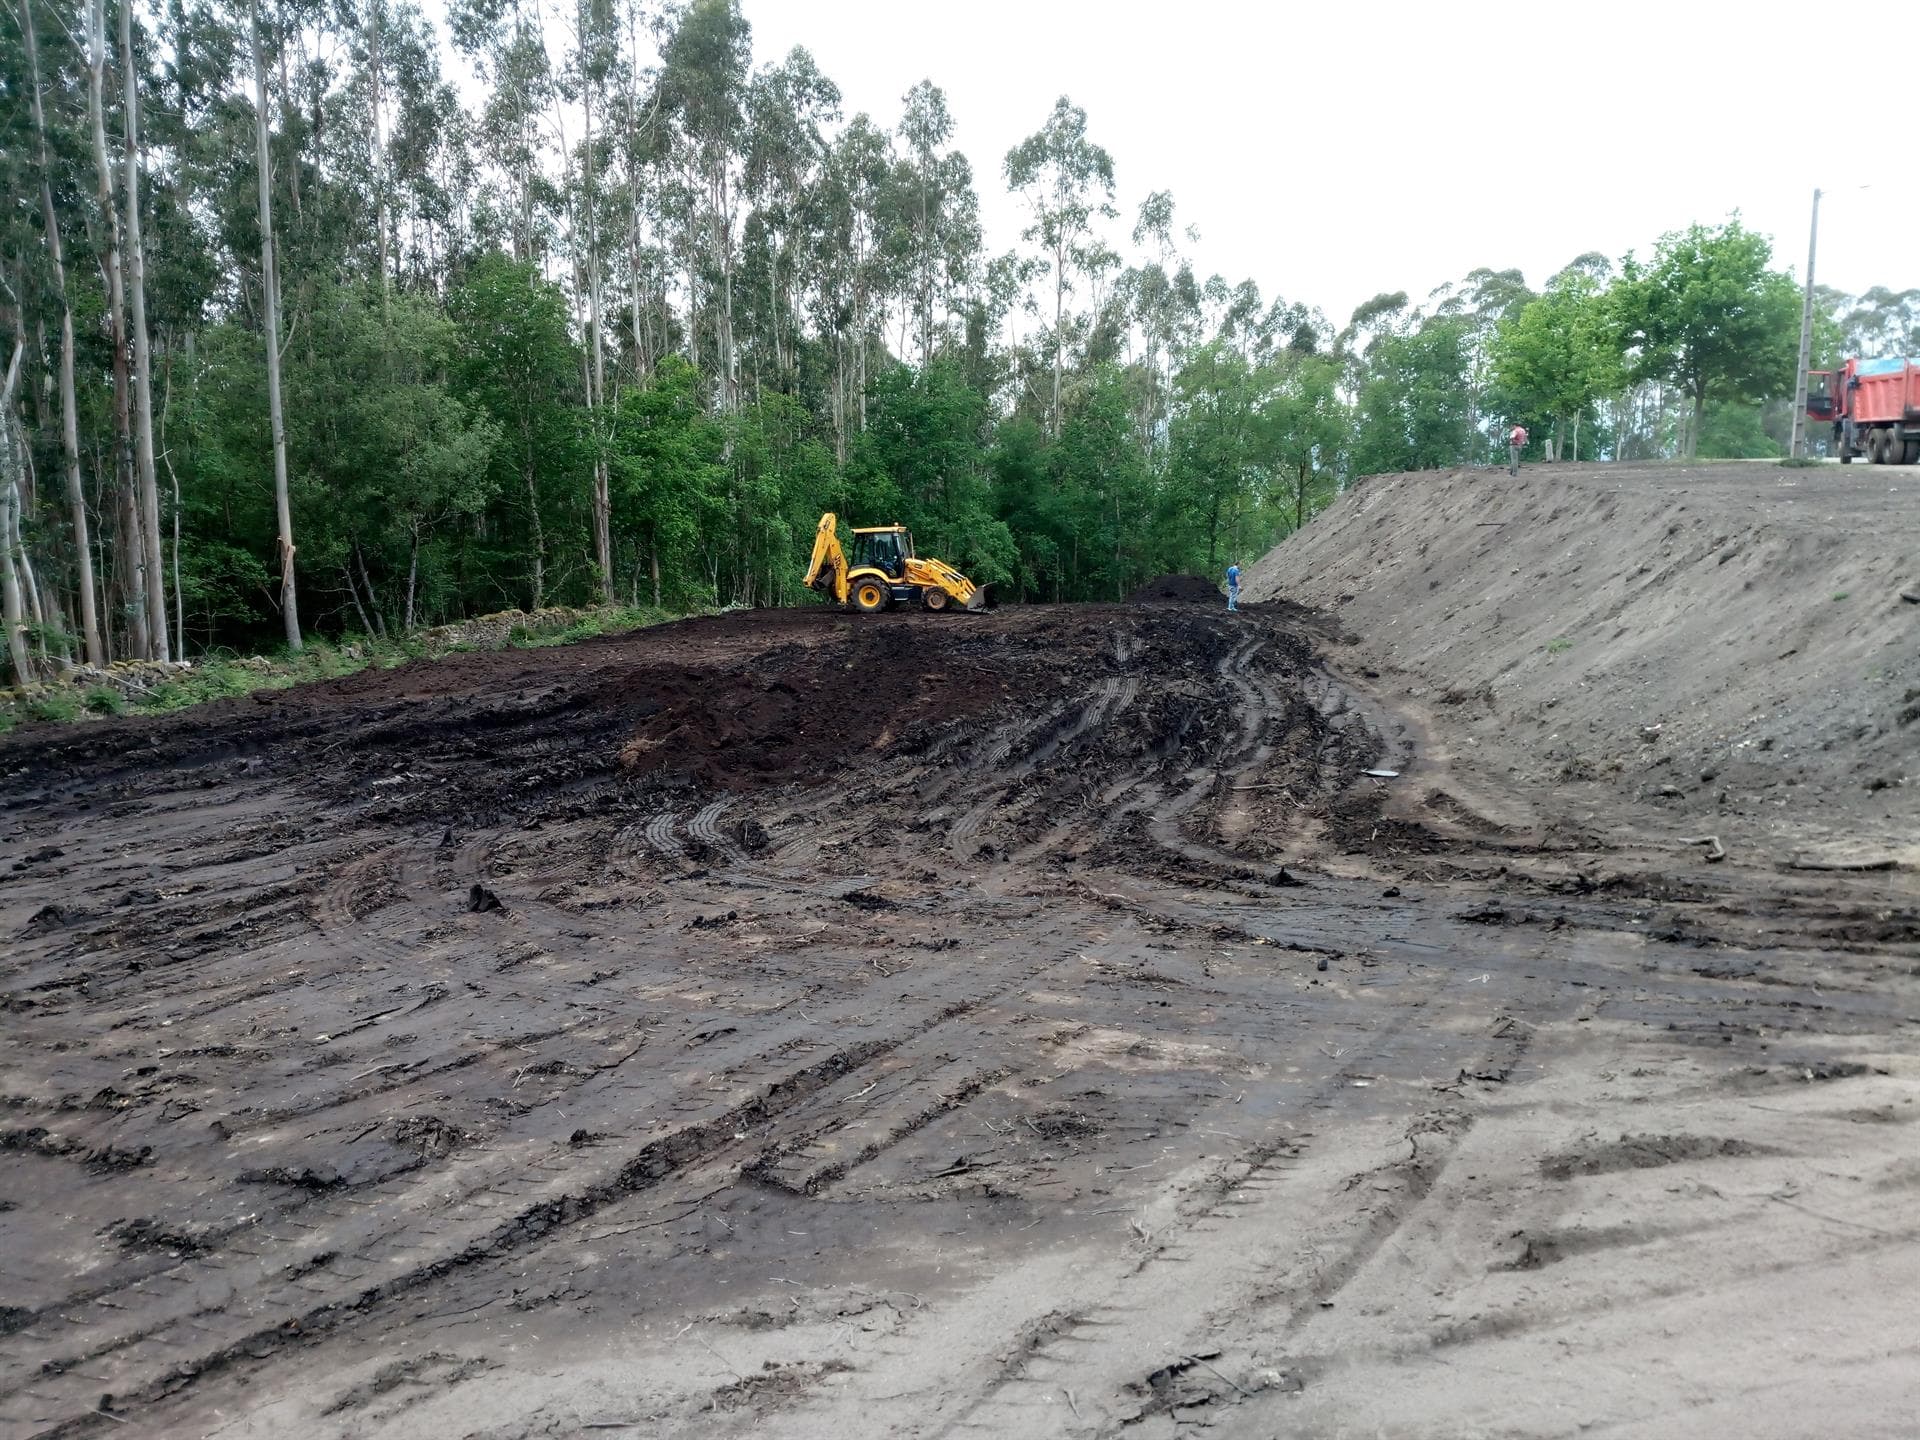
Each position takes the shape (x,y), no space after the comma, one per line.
(1726,643)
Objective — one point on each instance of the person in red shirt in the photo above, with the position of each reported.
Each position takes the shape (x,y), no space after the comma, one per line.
(1516,442)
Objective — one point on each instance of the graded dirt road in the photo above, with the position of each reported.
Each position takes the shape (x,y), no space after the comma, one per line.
(1026,1024)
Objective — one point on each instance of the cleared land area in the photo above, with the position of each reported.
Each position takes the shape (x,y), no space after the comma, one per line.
(1036,1023)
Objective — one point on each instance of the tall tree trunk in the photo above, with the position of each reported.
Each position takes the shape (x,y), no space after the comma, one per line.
(142,342)
(12,463)
(641,367)
(289,112)
(597,394)
(539,536)
(375,30)
(723,256)
(413,571)
(1059,336)
(132,550)
(353,593)
(1699,419)
(69,410)
(692,253)
(166,455)
(270,313)
(366,581)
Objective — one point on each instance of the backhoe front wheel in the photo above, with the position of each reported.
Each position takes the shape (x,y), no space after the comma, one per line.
(869,596)
(934,598)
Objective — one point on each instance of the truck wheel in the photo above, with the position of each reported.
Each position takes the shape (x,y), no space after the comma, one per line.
(869,595)
(1874,451)
(934,598)
(1912,453)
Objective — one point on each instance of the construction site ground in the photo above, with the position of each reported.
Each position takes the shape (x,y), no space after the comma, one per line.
(1034,1023)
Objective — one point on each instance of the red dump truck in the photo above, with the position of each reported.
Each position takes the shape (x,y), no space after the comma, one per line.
(1874,406)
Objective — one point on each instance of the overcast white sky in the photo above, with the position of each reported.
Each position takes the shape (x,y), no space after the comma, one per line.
(1332,149)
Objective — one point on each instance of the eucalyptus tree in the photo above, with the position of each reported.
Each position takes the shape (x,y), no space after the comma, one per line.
(1067,182)
(131,553)
(704,84)
(1483,302)
(938,211)
(136,284)
(270,321)
(69,405)
(1882,321)
(13,463)
(788,107)
(502,40)
(847,272)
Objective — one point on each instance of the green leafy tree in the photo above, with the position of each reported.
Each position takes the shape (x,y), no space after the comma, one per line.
(670,483)
(516,363)
(1412,408)
(1559,355)
(1308,429)
(1710,316)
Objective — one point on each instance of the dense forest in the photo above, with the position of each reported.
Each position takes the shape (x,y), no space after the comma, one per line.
(295,337)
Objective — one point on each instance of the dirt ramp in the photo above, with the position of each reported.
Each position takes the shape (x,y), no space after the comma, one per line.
(1726,641)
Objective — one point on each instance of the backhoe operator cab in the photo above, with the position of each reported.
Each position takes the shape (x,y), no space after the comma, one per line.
(884,571)
(885,548)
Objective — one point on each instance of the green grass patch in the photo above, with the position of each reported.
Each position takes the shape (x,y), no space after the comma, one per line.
(104,700)
(616,621)
(1842,595)
(54,705)
(1559,645)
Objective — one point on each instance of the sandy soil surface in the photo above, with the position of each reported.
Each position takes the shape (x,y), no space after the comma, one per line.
(1026,1024)
(1726,643)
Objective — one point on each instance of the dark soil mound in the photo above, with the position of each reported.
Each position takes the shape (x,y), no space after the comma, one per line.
(1177,589)
(798,712)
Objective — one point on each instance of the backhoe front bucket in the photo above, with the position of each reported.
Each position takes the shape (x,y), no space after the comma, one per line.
(977,600)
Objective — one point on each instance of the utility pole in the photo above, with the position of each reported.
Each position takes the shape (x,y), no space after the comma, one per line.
(1798,448)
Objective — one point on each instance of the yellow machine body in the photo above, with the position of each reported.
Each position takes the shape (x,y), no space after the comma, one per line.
(884,571)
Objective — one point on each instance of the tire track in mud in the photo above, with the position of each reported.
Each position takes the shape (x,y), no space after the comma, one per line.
(157,1338)
(705,829)
(1070,1337)
(658,833)
(1112,698)
(1169,1226)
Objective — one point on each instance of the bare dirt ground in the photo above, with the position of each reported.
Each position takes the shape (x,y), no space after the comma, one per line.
(1024,1024)
(1724,645)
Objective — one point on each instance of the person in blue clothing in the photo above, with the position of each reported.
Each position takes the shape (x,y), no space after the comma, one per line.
(1233,587)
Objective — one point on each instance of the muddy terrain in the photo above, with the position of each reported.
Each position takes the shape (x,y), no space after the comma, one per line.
(1035,1023)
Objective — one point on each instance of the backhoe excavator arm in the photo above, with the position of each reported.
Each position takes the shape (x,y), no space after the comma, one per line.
(828,570)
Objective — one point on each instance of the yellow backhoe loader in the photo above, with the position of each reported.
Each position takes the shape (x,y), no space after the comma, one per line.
(885,571)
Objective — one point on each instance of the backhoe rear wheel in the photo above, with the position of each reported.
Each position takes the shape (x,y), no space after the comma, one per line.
(869,595)
(934,598)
